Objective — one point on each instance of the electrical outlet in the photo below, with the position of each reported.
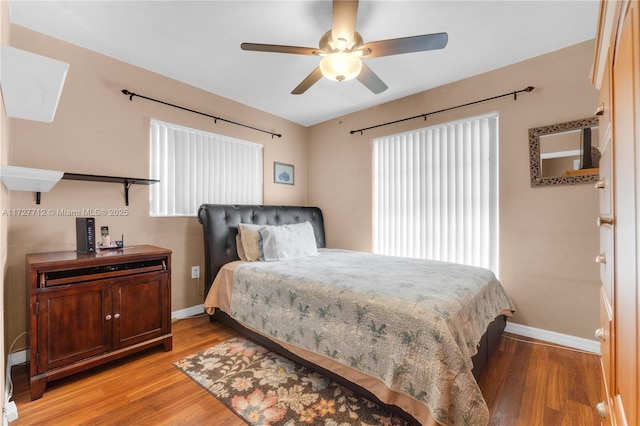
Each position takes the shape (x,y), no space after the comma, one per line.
(195,272)
(10,412)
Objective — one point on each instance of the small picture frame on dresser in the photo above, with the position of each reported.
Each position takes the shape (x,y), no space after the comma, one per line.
(283,173)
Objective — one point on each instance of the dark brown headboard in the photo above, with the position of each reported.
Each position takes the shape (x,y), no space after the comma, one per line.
(220,226)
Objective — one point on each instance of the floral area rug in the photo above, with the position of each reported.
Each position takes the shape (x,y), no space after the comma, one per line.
(266,389)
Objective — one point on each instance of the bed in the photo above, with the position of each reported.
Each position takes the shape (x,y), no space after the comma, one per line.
(433,382)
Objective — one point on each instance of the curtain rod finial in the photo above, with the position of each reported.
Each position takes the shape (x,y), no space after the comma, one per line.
(529,89)
(126,92)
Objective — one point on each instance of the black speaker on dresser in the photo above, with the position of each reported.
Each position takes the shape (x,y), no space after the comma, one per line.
(85,235)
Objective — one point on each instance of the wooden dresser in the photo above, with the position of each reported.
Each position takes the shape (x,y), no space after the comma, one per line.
(616,73)
(88,309)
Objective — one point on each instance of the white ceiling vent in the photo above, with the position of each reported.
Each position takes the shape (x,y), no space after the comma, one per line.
(31,84)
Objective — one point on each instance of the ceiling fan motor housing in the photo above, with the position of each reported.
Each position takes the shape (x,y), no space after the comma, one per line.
(328,45)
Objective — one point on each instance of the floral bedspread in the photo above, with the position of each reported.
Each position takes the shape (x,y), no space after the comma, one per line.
(414,324)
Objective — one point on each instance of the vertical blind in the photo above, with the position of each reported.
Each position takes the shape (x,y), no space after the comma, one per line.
(196,167)
(436,193)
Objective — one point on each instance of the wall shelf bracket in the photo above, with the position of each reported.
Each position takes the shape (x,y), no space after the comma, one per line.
(127,185)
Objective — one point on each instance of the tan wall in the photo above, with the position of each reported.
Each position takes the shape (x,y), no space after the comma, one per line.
(548,237)
(97,130)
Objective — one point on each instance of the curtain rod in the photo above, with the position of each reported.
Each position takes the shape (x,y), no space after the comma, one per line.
(131,95)
(514,93)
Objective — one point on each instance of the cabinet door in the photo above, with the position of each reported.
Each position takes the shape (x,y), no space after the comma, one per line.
(141,309)
(73,324)
(626,133)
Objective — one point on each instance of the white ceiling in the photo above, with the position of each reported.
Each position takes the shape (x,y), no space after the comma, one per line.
(198,42)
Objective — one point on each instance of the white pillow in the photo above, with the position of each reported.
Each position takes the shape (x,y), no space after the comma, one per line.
(287,242)
(250,240)
(240,248)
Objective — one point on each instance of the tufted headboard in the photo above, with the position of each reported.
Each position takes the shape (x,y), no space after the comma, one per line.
(220,226)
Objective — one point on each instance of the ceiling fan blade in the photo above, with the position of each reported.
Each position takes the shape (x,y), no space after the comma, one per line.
(396,46)
(279,49)
(371,80)
(309,81)
(343,20)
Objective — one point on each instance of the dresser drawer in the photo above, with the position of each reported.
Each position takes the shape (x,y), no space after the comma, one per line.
(604,106)
(605,335)
(604,184)
(606,260)
(606,400)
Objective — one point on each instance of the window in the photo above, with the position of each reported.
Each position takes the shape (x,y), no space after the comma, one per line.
(196,167)
(436,193)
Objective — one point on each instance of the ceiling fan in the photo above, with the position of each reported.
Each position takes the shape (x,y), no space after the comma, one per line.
(342,48)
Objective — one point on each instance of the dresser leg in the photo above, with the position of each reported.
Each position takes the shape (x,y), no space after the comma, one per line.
(37,387)
(168,343)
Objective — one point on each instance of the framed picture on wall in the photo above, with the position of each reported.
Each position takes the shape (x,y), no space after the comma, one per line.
(283,173)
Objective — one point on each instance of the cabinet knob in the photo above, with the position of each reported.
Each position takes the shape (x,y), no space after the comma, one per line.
(604,221)
(601,409)
(601,258)
(116,316)
(600,334)
(600,184)
(600,109)
(108,317)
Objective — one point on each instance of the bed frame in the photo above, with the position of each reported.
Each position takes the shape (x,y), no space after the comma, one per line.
(220,227)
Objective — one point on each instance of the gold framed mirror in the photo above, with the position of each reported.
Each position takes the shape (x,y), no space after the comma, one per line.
(564,153)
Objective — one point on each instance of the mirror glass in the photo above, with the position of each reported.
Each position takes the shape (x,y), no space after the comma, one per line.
(564,153)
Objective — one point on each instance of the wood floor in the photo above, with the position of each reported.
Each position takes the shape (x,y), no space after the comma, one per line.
(525,384)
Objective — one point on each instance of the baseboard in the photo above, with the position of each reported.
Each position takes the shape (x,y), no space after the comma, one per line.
(574,342)
(20,357)
(580,343)
(17,357)
(188,312)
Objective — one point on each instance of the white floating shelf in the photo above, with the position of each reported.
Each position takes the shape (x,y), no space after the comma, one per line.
(26,179)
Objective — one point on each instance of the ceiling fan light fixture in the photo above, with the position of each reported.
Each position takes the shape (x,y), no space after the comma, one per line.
(340,66)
